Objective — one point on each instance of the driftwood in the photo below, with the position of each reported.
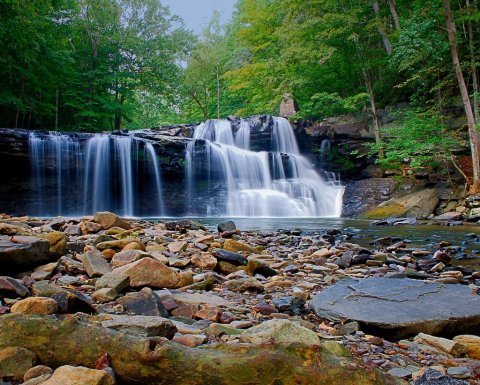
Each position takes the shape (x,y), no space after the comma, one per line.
(70,340)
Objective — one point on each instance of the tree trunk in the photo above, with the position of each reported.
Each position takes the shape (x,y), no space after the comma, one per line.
(473,66)
(381,31)
(118,115)
(473,133)
(57,100)
(156,361)
(393,11)
(199,104)
(17,114)
(218,91)
(376,120)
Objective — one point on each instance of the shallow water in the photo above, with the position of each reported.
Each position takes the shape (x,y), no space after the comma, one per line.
(421,236)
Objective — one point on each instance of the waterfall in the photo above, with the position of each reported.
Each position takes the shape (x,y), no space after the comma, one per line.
(276,183)
(81,174)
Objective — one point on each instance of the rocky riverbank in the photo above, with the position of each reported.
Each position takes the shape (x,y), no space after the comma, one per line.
(104,300)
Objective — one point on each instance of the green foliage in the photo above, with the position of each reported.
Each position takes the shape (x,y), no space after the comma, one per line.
(420,141)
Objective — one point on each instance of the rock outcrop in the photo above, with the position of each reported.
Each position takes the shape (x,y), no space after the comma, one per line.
(401,307)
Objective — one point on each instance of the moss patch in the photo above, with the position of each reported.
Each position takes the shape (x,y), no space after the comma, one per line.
(393,210)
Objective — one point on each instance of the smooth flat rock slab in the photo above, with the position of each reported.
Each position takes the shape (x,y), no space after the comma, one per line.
(200,299)
(20,252)
(398,308)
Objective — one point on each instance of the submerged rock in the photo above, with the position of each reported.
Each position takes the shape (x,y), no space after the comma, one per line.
(401,307)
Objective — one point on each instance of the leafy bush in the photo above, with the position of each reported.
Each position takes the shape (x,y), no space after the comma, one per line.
(323,105)
(421,140)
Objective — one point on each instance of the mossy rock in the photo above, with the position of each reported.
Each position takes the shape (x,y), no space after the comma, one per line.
(393,210)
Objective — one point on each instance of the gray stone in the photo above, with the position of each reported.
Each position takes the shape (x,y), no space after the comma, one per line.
(10,287)
(401,307)
(20,252)
(434,377)
(290,303)
(118,282)
(459,372)
(95,264)
(403,372)
(140,325)
(144,302)
(226,226)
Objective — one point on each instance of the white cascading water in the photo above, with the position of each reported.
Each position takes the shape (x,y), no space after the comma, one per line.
(75,175)
(281,183)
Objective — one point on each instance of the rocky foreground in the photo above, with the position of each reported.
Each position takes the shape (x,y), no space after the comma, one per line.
(103,300)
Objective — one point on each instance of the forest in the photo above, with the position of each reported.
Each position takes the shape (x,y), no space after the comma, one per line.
(91,65)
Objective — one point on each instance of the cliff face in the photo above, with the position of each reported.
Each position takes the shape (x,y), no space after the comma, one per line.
(330,145)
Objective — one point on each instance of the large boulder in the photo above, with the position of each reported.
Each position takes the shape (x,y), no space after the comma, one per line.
(400,308)
(419,205)
(21,252)
(108,220)
(149,272)
(158,361)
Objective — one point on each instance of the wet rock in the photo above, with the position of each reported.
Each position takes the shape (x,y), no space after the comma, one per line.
(281,332)
(95,265)
(400,307)
(115,281)
(226,226)
(11,288)
(149,272)
(230,257)
(76,375)
(244,284)
(35,305)
(15,361)
(108,220)
(144,302)
(20,252)
(141,325)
